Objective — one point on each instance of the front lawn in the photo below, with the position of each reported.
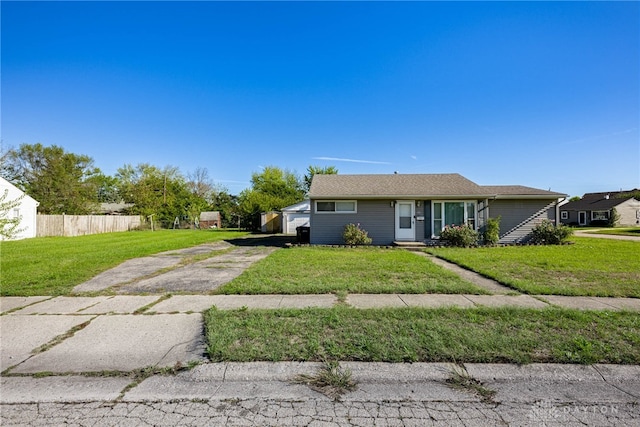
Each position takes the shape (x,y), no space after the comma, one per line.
(54,265)
(480,335)
(590,267)
(319,270)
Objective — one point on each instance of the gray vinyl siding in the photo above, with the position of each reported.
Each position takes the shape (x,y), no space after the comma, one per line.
(572,219)
(377,217)
(514,212)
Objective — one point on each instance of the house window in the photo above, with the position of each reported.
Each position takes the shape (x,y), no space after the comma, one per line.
(453,213)
(599,215)
(16,213)
(341,206)
(564,215)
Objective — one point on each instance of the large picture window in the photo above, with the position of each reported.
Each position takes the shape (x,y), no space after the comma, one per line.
(452,213)
(339,206)
(599,215)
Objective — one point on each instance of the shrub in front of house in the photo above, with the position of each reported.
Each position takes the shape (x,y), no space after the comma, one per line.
(354,235)
(459,235)
(614,219)
(547,233)
(492,231)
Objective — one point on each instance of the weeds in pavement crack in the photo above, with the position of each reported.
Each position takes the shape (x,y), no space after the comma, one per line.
(57,340)
(330,380)
(461,380)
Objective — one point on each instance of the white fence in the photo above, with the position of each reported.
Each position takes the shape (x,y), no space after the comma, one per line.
(78,225)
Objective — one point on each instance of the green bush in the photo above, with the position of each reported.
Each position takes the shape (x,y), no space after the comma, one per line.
(492,231)
(354,235)
(614,219)
(459,235)
(547,233)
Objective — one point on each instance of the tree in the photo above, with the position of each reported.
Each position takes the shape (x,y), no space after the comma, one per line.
(279,184)
(9,225)
(107,188)
(160,192)
(199,183)
(272,189)
(227,205)
(59,180)
(315,170)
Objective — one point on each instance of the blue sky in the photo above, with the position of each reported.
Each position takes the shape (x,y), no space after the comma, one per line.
(543,94)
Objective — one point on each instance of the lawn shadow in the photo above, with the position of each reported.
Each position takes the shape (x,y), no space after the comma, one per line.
(272,240)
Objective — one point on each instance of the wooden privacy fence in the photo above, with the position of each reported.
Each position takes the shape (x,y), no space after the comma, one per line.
(79,225)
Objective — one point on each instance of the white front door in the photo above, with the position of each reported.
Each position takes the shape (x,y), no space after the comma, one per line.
(582,218)
(405,221)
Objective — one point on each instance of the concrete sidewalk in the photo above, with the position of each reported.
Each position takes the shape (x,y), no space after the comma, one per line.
(263,393)
(108,333)
(89,346)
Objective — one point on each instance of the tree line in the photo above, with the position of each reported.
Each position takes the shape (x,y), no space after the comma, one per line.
(70,183)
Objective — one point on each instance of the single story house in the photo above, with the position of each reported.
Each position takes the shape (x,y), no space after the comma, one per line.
(595,209)
(210,220)
(295,216)
(417,207)
(26,209)
(113,208)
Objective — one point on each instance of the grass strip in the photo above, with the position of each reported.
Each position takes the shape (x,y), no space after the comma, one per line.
(589,267)
(54,265)
(480,335)
(320,270)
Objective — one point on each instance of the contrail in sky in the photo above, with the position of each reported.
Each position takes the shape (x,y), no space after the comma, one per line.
(338,159)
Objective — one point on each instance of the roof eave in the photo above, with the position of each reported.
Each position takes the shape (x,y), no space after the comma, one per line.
(436,196)
(399,196)
(529,196)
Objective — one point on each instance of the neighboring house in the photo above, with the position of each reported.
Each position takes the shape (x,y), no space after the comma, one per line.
(416,207)
(595,209)
(26,210)
(114,208)
(295,216)
(210,220)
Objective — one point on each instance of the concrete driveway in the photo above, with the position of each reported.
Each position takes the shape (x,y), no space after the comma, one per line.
(199,269)
(590,233)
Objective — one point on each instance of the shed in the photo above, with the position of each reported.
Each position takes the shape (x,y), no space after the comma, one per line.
(270,222)
(210,220)
(294,216)
(26,210)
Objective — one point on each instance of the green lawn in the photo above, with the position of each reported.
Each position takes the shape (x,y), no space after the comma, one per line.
(590,267)
(481,335)
(318,270)
(54,265)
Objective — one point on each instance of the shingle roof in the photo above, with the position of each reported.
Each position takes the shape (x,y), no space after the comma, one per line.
(302,206)
(209,216)
(411,186)
(519,190)
(598,201)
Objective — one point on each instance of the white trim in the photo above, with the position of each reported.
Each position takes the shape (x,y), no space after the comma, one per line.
(406,234)
(564,214)
(443,219)
(604,211)
(333,212)
(585,217)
